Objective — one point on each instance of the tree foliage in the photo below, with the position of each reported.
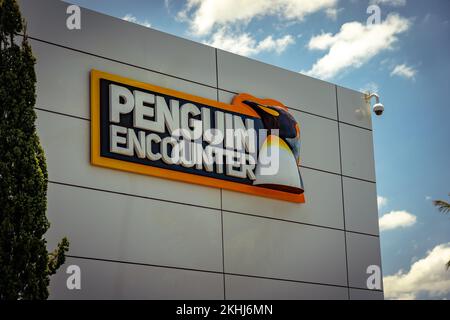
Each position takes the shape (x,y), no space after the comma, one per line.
(25,264)
(442,205)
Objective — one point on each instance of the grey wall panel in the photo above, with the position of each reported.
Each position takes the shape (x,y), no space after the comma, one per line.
(283,250)
(362,251)
(323,202)
(319,139)
(353,108)
(121,40)
(357,152)
(361,212)
(319,142)
(240,74)
(64,79)
(66,142)
(109,226)
(358,294)
(248,288)
(111,280)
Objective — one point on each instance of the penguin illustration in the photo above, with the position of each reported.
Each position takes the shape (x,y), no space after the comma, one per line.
(288,177)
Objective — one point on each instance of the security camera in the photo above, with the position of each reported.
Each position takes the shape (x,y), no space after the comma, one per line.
(378,109)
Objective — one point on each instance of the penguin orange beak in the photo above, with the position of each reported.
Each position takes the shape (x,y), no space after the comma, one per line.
(259,107)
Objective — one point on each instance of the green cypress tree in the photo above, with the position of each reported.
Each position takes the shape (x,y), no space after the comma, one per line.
(25,264)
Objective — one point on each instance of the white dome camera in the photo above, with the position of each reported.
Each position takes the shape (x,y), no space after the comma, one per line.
(378,108)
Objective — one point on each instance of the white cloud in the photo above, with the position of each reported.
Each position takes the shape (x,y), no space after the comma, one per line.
(396,219)
(405,71)
(129,17)
(370,87)
(244,44)
(426,276)
(333,13)
(204,15)
(427,18)
(428,198)
(382,201)
(354,45)
(394,3)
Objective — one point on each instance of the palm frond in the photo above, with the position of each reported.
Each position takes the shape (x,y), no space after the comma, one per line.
(442,205)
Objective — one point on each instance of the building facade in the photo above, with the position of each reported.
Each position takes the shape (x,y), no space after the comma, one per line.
(138,236)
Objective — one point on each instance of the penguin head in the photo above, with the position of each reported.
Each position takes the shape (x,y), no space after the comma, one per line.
(276,117)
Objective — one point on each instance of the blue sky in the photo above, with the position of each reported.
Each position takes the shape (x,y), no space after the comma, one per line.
(405,59)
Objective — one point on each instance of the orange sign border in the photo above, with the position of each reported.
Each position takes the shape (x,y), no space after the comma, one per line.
(237,106)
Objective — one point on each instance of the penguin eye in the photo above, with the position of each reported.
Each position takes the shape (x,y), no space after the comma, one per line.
(269,111)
